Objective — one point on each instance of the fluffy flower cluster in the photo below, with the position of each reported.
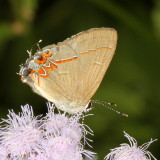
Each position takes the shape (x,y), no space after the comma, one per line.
(53,137)
(132,151)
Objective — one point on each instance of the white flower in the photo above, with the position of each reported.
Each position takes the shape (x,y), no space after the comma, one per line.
(131,151)
(37,157)
(21,133)
(67,126)
(3,152)
(54,137)
(63,136)
(62,148)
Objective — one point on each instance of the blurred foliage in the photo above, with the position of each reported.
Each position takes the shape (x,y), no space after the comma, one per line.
(132,81)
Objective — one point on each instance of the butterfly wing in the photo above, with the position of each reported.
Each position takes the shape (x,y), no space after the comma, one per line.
(82,61)
(95,49)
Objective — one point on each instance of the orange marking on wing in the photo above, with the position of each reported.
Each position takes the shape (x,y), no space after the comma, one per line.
(33,78)
(66,60)
(84,53)
(38,81)
(46,54)
(31,74)
(51,66)
(45,76)
(41,71)
(93,50)
(42,60)
(55,66)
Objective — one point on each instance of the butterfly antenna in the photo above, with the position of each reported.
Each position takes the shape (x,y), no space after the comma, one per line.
(39,48)
(109,106)
(38,44)
(29,52)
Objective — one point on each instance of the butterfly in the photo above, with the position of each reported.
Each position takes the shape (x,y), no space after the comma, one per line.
(70,72)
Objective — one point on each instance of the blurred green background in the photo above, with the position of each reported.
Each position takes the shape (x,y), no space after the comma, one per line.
(132,80)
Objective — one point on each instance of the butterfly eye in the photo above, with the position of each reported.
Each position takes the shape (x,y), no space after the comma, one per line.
(24,72)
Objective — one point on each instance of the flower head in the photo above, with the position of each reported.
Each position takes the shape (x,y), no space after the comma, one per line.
(131,151)
(53,137)
(21,133)
(63,136)
(57,148)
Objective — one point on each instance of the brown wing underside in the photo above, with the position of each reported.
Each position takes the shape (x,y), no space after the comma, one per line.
(78,80)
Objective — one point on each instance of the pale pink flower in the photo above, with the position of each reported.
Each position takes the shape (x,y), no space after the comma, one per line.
(131,151)
(63,137)
(54,137)
(66,126)
(62,148)
(3,153)
(37,157)
(21,133)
